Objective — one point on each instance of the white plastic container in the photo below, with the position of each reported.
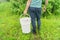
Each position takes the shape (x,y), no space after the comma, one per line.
(25,24)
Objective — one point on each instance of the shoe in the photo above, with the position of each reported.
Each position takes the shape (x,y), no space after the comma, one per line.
(34,32)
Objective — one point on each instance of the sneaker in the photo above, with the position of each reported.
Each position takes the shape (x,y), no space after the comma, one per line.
(34,32)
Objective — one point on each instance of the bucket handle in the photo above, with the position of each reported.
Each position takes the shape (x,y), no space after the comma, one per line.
(24,15)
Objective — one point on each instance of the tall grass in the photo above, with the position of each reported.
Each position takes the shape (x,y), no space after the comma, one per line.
(10,28)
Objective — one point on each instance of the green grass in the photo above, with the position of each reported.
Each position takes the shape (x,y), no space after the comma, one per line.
(10,28)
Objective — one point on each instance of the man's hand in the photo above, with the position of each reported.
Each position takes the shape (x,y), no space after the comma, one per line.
(44,9)
(27,6)
(25,12)
(46,3)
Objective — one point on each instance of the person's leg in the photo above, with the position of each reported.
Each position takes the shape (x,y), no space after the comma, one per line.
(38,14)
(32,14)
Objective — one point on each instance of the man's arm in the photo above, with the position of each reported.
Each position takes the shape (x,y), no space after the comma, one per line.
(46,2)
(27,6)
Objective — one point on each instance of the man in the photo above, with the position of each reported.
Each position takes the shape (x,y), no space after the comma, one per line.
(34,7)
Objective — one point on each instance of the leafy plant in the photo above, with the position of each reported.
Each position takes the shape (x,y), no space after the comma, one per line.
(53,8)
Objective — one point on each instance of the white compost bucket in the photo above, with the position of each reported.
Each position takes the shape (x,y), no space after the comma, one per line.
(25,24)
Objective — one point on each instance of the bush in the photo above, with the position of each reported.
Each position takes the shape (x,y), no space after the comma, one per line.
(53,8)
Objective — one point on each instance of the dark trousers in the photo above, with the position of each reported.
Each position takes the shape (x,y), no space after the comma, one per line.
(35,14)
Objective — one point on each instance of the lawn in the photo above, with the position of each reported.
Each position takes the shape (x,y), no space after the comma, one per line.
(10,28)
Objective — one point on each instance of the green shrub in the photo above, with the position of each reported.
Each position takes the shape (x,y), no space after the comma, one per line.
(53,8)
